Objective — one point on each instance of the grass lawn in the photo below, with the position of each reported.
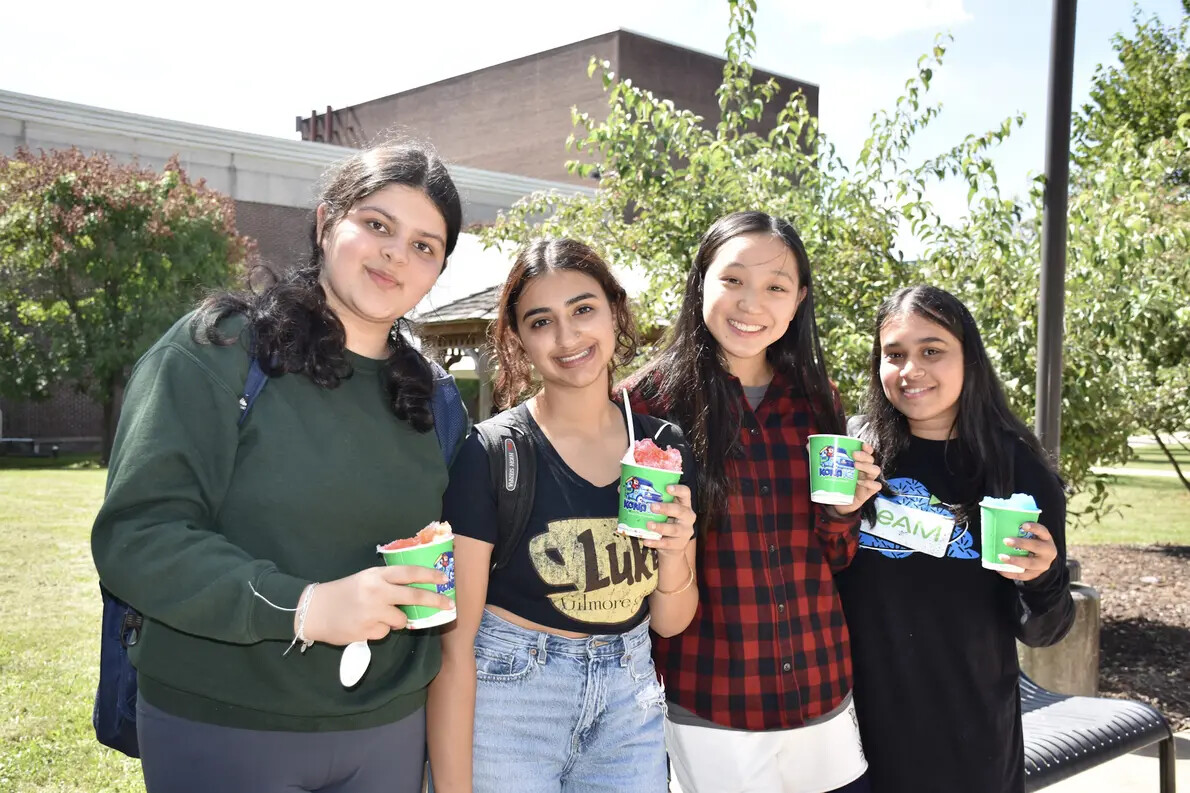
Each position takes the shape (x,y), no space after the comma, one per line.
(68,461)
(49,599)
(49,637)
(1151,510)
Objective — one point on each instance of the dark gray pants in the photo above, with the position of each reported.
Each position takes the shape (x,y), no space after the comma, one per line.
(183,756)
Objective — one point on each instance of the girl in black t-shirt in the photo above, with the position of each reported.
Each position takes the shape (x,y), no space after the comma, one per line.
(932,631)
(547,679)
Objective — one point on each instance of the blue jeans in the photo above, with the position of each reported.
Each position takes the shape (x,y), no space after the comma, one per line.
(557,715)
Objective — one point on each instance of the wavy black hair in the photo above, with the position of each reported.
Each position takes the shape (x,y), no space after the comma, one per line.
(292,328)
(689,378)
(985,430)
(541,257)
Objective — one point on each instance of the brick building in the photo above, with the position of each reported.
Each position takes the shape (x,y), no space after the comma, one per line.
(514,117)
(273,182)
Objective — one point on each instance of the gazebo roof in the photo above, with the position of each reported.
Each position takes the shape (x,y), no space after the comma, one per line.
(478,306)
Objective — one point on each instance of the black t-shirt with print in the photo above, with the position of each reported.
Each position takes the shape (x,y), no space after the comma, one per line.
(933,632)
(570,571)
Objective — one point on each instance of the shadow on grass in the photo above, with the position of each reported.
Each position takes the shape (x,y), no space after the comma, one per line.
(68,462)
(1162,485)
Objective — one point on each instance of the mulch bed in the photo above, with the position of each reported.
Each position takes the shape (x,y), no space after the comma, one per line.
(1144,643)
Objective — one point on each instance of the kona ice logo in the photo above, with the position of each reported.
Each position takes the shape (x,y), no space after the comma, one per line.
(639,493)
(915,521)
(445,563)
(836,463)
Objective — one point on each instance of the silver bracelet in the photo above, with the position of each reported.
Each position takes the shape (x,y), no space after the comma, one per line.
(303,607)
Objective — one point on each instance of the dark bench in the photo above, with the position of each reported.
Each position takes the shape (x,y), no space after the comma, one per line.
(1066,735)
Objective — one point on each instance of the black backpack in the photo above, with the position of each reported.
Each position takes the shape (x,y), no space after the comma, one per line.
(512,465)
(114,714)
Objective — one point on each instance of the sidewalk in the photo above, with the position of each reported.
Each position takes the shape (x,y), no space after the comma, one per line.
(1157,472)
(1134,773)
(1148,440)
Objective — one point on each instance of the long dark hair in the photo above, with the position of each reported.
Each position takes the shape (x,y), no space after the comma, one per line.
(294,331)
(986,430)
(536,259)
(689,378)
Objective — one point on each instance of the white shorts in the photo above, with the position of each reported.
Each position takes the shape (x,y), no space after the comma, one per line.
(812,759)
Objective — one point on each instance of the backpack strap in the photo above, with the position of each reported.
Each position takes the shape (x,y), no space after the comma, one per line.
(512,466)
(659,429)
(450,417)
(253,385)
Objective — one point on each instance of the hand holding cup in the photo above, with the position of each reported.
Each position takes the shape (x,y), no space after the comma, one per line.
(365,606)
(677,528)
(867,481)
(1041,548)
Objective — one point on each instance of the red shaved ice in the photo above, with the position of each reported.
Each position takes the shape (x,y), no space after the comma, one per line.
(647,453)
(434,532)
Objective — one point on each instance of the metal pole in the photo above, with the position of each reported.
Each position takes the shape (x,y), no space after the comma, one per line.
(1052,302)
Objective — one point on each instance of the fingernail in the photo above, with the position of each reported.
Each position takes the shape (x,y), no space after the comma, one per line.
(1009,541)
(669,489)
(655,508)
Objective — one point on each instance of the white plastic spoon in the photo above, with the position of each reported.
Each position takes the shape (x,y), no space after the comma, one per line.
(630,455)
(353,664)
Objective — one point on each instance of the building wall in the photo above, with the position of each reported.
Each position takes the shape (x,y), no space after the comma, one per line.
(512,118)
(691,78)
(280,232)
(66,414)
(515,117)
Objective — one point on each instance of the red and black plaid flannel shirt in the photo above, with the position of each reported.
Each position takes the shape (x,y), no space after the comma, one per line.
(768,647)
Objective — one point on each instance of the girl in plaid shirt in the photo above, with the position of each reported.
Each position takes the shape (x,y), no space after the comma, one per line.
(759,684)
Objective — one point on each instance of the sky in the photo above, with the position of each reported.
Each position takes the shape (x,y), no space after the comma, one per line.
(255,66)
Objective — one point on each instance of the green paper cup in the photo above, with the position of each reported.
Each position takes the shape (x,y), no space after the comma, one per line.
(640,488)
(832,468)
(998,523)
(441,556)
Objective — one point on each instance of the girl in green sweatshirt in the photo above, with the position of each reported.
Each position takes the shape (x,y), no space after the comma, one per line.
(250,548)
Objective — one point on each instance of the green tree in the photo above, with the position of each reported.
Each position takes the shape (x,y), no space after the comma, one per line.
(1131,188)
(665,174)
(1145,92)
(1126,352)
(97,259)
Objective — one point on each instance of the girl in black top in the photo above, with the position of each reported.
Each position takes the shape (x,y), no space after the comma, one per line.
(933,633)
(547,680)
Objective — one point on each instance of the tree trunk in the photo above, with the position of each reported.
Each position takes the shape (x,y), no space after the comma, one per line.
(1172,460)
(113,398)
(109,429)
